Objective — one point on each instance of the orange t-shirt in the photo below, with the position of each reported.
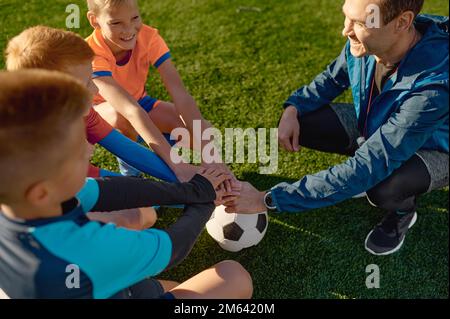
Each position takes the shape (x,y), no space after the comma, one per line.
(150,49)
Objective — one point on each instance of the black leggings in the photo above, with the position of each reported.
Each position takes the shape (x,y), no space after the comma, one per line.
(322,130)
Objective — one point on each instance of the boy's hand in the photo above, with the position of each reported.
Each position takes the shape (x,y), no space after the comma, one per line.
(228,185)
(216,177)
(224,196)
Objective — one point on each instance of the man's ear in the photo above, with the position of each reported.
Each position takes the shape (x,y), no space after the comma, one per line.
(92,19)
(404,21)
(37,194)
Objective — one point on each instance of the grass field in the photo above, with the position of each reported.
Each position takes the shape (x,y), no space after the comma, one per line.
(240,65)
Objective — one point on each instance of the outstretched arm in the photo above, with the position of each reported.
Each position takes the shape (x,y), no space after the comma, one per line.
(118,193)
(131,256)
(404,133)
(189,111)
(124,104)
(137,156)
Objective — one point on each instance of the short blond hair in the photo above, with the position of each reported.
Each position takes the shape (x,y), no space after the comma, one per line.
(36,109)
(43,47)
(97,6)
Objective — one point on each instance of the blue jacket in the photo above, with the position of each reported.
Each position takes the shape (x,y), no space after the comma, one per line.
(411,113)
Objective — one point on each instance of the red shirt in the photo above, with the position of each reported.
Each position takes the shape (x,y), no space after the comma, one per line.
(96,130)
(96,127)
(93,171)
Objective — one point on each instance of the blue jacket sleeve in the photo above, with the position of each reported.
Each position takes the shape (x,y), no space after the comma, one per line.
(387,149)
(137,156)
(324,88)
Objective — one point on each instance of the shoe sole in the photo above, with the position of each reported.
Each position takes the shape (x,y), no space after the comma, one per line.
(411,224)
(362,195)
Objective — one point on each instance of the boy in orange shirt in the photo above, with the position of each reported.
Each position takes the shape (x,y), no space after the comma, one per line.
(125,48)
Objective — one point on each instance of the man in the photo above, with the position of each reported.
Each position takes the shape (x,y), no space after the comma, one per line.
(396,132)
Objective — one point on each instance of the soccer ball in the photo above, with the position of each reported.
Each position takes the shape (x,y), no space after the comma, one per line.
(234,232)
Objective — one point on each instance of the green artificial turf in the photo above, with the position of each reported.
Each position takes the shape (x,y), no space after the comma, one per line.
(240,65)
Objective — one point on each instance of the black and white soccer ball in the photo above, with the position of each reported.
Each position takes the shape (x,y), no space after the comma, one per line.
(234,232)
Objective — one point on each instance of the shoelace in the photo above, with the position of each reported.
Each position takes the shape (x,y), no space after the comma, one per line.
(391,223)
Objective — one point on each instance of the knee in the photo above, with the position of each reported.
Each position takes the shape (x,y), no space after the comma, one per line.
(382,197)
(233,272)
(166,117)
(124,126)
(148,217)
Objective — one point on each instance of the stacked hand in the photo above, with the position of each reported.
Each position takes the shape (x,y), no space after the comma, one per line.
(218,179)
(239,197)
(229,188)
(250,201)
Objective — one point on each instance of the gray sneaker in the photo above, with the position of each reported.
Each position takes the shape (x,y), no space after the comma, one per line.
(388,236)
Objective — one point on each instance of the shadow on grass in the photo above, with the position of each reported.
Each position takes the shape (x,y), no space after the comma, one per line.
(320,254)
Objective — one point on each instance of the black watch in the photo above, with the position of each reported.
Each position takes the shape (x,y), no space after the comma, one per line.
(268,201)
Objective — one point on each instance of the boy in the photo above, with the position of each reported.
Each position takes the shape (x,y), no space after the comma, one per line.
(125,48)
(45,236)
(52,49)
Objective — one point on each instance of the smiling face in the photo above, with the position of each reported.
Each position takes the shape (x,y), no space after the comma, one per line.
(120,26)
(364,40)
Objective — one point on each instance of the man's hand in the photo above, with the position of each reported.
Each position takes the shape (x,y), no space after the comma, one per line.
(251,201)
(289,130)
(228,196)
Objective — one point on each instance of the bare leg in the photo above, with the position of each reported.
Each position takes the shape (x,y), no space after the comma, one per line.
(116,120)
(166,117)
(168,285)
(136,219)
(225,280)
